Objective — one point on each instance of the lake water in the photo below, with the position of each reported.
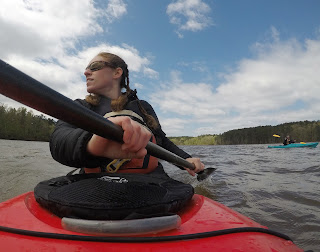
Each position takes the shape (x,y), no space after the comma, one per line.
(278,188)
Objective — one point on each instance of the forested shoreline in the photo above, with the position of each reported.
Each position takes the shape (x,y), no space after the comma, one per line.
(304,131)
(20,124)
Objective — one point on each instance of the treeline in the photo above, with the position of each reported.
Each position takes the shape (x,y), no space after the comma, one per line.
(199,140)
(20,124)
(306,131)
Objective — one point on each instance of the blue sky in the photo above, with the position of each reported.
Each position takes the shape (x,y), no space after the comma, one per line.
(206,66)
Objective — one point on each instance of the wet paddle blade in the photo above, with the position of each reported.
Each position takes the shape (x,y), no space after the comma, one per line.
(205,173)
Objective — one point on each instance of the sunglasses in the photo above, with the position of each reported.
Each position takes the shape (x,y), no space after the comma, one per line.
(98,65)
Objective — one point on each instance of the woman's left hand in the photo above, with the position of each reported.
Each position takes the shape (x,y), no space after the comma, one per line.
(199,166)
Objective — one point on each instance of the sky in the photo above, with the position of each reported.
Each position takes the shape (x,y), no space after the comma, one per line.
(206,66)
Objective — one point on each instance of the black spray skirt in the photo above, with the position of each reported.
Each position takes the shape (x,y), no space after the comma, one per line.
(104,196)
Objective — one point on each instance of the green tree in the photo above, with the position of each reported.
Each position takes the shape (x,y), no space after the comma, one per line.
(23,125)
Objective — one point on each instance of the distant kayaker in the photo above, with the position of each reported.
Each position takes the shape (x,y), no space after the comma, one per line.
(107,78)
(287,140)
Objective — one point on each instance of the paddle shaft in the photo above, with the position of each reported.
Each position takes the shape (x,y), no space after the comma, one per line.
(24,89)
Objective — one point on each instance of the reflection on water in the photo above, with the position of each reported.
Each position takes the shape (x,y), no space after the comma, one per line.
(278,188)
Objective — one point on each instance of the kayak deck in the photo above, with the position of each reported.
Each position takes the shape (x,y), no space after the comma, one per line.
(295,145)
(200,218)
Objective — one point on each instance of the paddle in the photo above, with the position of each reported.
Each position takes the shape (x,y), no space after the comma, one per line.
(22,88)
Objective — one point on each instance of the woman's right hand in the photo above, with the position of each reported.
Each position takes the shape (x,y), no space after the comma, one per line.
(135,138)
(198,166)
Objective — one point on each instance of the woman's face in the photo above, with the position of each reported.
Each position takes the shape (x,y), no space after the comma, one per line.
(103,81)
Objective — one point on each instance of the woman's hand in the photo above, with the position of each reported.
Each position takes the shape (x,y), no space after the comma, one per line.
(135,138)
(199,166)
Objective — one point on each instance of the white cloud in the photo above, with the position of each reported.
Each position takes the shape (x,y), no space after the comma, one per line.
(173,126)
(189,15)
(259,91)
(42,42)
(282,74)
(46,28)
(65,74)
(150,73)
(115,10)
(188,99)
(138,85)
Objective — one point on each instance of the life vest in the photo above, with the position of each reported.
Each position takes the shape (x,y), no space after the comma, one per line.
(135,165)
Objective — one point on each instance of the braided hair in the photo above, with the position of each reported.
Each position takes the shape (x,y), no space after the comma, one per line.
(120,103)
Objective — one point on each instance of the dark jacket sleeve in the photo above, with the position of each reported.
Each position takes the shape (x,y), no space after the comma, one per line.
(68,146)
(162,140)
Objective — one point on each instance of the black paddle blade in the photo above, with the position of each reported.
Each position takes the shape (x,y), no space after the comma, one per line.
(205,173)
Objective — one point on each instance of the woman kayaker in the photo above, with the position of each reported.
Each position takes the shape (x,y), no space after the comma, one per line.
(107,75)
(287,140)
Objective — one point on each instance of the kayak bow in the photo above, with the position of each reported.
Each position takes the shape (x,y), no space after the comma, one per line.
(206,225)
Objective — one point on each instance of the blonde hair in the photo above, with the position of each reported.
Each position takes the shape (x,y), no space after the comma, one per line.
(120,103)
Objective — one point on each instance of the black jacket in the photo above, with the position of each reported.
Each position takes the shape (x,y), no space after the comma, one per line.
(68,143)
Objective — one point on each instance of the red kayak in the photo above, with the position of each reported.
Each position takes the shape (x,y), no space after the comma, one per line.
(204,225)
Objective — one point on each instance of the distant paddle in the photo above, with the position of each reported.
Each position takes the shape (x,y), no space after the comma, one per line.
(22,88)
